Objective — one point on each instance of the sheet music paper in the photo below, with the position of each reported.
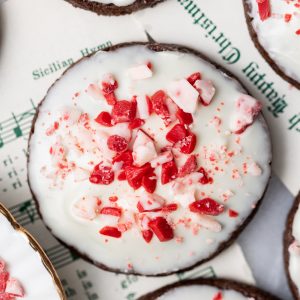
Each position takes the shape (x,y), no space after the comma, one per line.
(56,36)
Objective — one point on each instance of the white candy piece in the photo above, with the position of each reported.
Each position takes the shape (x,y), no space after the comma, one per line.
(254,169)
(85,207)
(143,149)
(247,108)
(144,221)
(172,107)
(161,159)
(14,287)
(209,223)
(142,106)
(184,95)
(139,72)
(150,201)
(206,90)
(121,129)
(101,138)
(94,91)
(109,78)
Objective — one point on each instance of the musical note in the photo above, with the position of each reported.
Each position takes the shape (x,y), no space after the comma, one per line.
(17,130)
(17,126)
(28,208)
(25,213)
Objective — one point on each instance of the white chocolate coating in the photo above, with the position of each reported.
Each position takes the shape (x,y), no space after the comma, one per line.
(279,37)
(196,292)
(192,242)
(294,251)
(116,2)
(24,264)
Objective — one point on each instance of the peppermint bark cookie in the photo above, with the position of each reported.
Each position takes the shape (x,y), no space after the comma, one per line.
(208,289)
(275,30)
(292,248)
(113,7)
(148,158)
(23,263)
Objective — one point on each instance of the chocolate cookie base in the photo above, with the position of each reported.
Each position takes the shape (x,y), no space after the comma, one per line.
(158,47)
(262,50)
(111,9)
(223,284)
(288,239)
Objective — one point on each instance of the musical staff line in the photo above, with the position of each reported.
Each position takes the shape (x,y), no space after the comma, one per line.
(61,256)
(25,213)
(17,126)
(207,272)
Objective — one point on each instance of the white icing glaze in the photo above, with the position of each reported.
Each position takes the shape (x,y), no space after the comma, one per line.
(196,292)
(189,245)
(278,37)
(294,250)
(24,264)
(116,2)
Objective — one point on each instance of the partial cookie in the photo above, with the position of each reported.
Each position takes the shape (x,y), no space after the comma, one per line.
(208,289)
(292,248)
(113,7)
(151,149)
(275,30)
(23,264)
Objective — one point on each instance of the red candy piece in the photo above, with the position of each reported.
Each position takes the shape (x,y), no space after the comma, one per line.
(189,167)
(113,211)
(102,175)
(169,172)
(113,198)
(232,213)
(124,111)
(176,134)
(108,91)
(159,106)
(183,117)
(264,9)
(205,179)
(287,17)
(141,208)
(161,229)
(188,144)
(170,207)
(111,231)
(207,206)
(104,118)
(134,175)
(117,143)
(125,157)
(122,176)
(136,123)
(147,235)
(149,183)
(193,78)
(218,296)
(3,279)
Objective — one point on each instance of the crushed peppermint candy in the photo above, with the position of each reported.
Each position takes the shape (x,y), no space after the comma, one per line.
(130,153)
(10,288)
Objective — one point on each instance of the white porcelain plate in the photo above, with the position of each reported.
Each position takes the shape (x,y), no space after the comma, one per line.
(27,262)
